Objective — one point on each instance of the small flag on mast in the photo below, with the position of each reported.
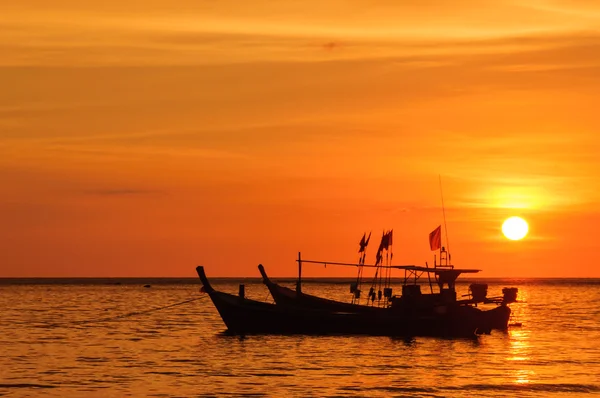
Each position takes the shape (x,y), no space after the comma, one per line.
(385,240)
(364,243)
(435,238)
(378,258)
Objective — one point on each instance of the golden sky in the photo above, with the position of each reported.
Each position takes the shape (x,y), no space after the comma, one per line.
(143,138)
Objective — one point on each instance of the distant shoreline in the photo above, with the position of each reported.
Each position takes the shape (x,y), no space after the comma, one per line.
(306,280)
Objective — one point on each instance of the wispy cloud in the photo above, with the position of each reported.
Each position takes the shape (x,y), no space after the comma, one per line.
(123,192)
(115,34)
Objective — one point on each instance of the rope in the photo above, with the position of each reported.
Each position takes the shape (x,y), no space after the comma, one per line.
(126,315)
(272,299)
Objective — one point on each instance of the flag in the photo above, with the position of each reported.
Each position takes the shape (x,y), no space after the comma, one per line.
(378,258)
(364,243)
(435,238)
(385,241)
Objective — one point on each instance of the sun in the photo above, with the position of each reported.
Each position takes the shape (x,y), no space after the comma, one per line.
(515,228)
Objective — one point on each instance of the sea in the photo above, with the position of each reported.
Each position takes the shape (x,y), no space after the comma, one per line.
(164,338)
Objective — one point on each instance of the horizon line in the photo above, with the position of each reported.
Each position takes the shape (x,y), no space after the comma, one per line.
(277,277)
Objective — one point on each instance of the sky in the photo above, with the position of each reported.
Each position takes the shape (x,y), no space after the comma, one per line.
(143,138)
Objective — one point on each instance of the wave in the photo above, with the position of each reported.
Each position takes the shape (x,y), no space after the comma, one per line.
(25,385)
(532,387)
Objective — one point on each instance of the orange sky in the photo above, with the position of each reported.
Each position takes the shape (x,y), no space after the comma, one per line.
(145,138)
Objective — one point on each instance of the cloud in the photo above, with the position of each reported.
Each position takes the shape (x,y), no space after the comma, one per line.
(332,46)
(117,34)
(123,192)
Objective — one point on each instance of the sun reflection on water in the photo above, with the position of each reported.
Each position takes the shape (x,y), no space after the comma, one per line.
(519,352)
(522,376)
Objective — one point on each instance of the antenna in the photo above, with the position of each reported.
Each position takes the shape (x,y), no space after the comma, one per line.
(444,213)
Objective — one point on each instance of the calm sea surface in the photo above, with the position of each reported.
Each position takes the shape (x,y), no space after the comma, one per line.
(81,340)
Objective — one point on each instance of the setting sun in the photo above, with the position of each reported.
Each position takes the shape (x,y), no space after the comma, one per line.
(515,228)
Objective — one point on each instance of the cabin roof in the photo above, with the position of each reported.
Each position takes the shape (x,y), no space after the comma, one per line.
(437,270)
(418,268)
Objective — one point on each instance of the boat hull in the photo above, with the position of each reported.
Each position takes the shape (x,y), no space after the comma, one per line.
(498,318)
(289,298)
(427,305)
(246,316)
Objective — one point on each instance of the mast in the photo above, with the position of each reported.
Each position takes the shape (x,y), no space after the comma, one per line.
(355,289)
(382,269)
(429,278)
(446,256)
(299,283)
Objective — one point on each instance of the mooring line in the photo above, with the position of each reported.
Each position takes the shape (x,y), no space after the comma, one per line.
(126,315)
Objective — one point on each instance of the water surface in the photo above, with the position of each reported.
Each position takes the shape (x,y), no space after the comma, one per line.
(80,339)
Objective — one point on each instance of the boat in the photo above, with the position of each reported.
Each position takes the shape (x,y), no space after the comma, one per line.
(244,316)
(412,300)
(381,300)
(291,298)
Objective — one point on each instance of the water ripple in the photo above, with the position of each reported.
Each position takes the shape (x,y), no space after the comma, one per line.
(182,351)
